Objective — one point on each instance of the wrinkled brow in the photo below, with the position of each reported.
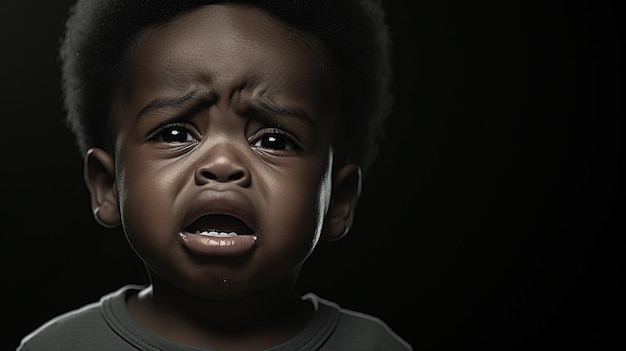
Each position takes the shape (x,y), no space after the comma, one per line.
(177,102)
(275,109)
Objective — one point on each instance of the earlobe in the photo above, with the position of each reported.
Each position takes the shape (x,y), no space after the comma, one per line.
(345,196)
(99,176)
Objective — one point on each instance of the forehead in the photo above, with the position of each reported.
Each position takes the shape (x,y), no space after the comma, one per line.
(224,46)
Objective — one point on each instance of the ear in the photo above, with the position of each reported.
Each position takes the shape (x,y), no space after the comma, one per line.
(344,198)
(99,176)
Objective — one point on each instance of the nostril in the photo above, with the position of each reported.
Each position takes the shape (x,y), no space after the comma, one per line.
(209,175)
(236,176)
(232,177)
(222,170)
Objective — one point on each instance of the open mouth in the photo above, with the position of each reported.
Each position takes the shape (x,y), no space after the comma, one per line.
(219,225)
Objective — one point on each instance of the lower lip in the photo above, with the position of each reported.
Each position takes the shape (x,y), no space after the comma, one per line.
(213,246)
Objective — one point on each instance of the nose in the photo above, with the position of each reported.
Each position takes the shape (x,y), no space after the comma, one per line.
(223,164)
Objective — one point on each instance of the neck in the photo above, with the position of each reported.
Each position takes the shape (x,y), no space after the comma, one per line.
(266,318)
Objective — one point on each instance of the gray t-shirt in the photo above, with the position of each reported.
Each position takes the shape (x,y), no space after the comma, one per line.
(108,325)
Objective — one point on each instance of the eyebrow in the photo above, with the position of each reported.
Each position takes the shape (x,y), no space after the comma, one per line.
(276,109)
(178,102)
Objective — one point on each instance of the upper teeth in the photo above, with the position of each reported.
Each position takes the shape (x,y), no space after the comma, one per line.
(216,234)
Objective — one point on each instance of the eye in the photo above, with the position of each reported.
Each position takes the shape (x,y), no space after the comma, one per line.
(274,139)
(173,133)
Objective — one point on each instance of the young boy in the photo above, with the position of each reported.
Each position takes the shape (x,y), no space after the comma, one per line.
(226,138)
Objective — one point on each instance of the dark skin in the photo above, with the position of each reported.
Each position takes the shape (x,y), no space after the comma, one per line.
(223,123)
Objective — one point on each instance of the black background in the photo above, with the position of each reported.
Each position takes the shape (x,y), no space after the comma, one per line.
(493,219)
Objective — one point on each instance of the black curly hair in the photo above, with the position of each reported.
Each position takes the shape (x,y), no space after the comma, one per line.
(98,35)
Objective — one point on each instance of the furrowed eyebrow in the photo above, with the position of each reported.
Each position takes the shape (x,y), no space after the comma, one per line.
(180,102)
(275,109)
(174,102)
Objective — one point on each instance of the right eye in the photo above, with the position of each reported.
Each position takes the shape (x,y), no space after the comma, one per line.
(173,134)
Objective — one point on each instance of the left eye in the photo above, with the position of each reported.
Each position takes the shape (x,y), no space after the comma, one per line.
(279,141)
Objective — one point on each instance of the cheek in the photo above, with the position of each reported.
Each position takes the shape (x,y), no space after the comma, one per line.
(145,201)
(298,209)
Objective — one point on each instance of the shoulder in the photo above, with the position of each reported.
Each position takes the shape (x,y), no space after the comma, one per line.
(359,331)
(72,330)
(64,328)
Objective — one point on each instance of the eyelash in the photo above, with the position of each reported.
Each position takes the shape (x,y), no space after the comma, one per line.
(287,141)
(158,134)
(291,143)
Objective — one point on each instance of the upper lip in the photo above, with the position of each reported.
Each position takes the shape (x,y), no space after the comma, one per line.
(227,203)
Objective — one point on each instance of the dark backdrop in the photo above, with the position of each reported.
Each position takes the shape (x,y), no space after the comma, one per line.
(493,218)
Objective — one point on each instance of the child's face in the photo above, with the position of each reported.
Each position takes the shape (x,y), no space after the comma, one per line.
(223,111)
